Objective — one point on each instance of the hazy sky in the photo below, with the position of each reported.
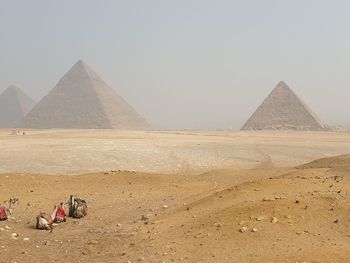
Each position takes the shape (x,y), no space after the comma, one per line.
(200,64)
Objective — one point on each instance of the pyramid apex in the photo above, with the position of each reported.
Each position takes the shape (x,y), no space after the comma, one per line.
(13,90)
(14,105)
(282,84)
(80,63)
(12,87)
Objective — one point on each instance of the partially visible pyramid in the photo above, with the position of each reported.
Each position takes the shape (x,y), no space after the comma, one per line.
(14,105)
(82,100)
(283,110)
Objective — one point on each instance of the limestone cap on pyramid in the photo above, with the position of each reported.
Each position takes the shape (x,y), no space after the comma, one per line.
(283,110)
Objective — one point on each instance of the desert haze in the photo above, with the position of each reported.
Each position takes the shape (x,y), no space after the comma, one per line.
(193,131)
(178,196)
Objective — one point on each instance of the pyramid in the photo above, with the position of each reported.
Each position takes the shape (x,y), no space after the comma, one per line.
(82,100)
(14,105)
(283,110)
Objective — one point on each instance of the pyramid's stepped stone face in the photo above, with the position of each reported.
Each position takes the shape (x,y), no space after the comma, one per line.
(282,109)
(81,99)
(14,105)
(119,113)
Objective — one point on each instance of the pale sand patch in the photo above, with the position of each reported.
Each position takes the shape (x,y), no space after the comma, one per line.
(85,151)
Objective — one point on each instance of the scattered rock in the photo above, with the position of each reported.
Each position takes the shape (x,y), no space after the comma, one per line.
(274,220)
(254,230)
(218,224)
(145,219)
(92,242)
(26,239)
(243,229)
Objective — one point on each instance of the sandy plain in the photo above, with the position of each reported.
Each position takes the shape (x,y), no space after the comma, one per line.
(178,196)
(86,151)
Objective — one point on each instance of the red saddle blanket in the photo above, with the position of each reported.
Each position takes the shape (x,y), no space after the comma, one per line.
(3,215)
(60,214)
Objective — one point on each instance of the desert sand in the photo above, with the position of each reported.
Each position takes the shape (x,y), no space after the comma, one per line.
(178,196)
(184,152)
